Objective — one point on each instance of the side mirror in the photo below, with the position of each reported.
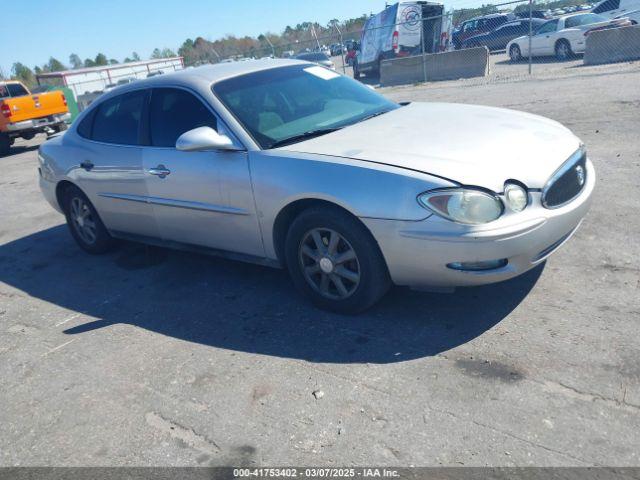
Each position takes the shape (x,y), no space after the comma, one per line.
(203,138)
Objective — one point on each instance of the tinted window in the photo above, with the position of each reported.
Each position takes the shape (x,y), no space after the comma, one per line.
(16,90)
(606,6)
(174,112)
(84,128)
(118,119)
(547,27)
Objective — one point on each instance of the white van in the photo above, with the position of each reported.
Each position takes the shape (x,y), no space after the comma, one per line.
(619,8)
(398,30)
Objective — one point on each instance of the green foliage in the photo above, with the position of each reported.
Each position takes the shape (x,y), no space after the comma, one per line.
(101,60)
(54,65)
(89,63)
(23,73)
(75,61)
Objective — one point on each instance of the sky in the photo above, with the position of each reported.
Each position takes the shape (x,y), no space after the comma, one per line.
(41,28)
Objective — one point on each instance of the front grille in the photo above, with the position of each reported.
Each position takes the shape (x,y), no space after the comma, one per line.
(567,182)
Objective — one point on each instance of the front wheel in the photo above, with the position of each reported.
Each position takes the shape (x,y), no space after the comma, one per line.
(84,223)
(563,50)
(335,261)
(514,53)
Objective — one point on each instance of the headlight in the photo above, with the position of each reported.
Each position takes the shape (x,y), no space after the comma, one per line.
(517,197)
(463,205)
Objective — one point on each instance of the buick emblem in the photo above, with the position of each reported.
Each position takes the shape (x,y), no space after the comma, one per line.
(580,174)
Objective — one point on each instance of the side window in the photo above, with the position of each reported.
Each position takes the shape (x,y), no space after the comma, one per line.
(173,112)
(548,27)
(85,126)
(117,120)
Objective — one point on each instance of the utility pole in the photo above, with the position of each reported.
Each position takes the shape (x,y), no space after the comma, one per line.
(273,50)
(335,24)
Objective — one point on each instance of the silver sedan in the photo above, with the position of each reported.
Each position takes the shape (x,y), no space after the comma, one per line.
(289,164)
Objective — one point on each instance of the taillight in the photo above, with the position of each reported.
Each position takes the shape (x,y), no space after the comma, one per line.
(64,99)
(394,42)
(6,110)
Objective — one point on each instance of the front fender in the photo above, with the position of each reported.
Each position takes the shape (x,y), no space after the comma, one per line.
(366,189)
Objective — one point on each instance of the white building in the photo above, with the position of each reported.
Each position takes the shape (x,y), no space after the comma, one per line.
(86,81)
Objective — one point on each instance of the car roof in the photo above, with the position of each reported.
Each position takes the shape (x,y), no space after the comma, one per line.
(491,15)
(209,74)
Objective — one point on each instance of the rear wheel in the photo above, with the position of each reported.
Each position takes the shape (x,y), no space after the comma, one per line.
(514,53)
(563,50)
(84,223)
(334,261)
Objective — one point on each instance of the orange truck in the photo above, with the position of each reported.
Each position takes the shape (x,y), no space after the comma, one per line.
(23,114)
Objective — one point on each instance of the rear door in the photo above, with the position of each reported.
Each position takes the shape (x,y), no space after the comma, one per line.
(110,158)
(203,198)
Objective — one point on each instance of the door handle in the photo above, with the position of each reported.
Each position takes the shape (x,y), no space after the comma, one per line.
(160,171)
(87,165)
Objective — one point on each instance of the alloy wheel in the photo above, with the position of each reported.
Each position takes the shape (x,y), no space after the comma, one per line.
(82,220)
(329,263)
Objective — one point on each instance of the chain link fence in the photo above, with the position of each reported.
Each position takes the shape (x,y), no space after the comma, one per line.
(404,45)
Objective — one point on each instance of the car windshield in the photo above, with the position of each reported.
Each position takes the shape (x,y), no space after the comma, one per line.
(586,19)
(313,57)
(289,102)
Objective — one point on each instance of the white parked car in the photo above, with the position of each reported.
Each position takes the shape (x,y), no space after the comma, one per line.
(619,8)
(562,37)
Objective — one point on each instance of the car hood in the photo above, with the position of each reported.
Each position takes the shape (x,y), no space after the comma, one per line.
(468,144)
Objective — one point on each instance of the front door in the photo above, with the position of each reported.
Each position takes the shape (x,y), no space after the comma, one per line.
(198,198)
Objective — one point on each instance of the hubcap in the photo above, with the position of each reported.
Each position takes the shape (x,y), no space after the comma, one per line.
(329,263)
(82,220)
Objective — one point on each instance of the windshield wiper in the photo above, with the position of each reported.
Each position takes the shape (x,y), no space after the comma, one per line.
(303,136)
(373,115)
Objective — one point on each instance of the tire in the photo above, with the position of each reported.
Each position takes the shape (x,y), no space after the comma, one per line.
(515,55)
(61,127)
(348,285)
(563,50)
(80,215)
(29,136)
(5,144)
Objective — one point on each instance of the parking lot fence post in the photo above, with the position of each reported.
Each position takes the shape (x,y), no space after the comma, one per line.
(530,31)
(424,57)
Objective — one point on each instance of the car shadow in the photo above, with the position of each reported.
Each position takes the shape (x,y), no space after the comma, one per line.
(243,307)
(18,149)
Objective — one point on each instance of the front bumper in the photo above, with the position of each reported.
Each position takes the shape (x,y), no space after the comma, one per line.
(417,253)
(38,123)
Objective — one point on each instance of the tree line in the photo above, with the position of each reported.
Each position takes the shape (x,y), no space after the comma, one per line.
(198,51)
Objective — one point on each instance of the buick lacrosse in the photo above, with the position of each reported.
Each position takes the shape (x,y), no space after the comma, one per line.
(287,163)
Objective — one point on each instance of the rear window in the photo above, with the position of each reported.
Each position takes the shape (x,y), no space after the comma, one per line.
(606,6)
(118,119)
(12,90)
(586,19)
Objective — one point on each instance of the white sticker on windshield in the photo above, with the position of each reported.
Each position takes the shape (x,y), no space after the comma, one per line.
(322,72)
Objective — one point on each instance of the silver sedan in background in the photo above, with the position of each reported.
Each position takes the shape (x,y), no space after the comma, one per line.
(287,163)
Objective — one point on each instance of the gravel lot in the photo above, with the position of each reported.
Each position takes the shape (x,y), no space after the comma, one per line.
(153,357)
